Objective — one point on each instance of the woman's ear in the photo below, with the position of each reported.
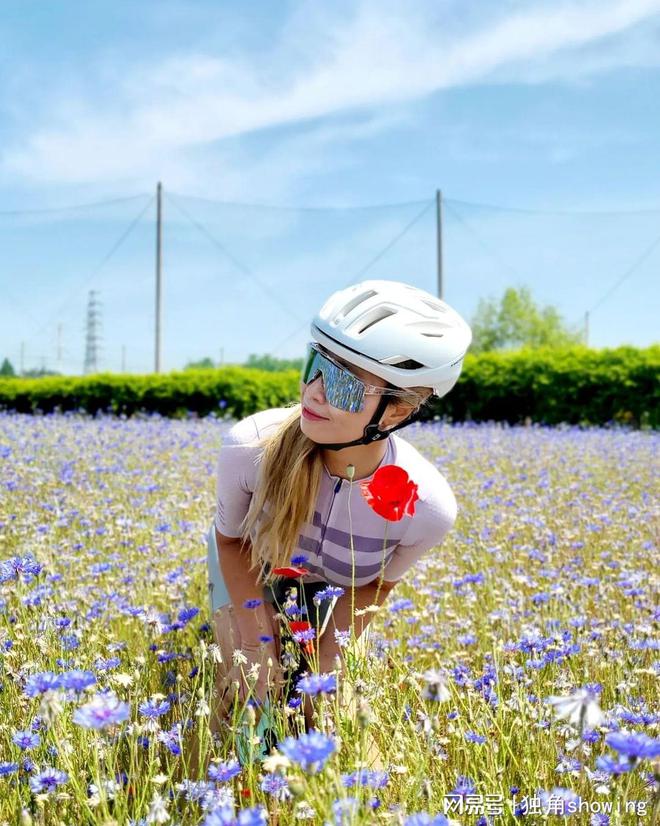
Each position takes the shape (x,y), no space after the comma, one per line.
(396,412)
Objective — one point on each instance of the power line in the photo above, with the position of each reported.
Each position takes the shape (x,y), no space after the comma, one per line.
(301,208)
(568,213)
(332,208)
(74,293)
(73,207)
(369,264)
(231,257)
(486,247)
(628,272)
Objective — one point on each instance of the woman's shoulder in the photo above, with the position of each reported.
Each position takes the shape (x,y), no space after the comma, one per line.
(436,508)
(249,432)
(433,489)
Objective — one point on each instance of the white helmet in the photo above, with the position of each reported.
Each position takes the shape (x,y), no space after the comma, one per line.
(403,334)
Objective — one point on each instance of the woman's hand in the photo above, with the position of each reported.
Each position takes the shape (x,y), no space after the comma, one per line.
(270,677)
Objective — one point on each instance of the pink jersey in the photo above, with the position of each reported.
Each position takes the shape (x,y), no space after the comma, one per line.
(326,541)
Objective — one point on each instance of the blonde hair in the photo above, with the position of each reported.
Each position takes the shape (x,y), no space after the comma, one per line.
(288,479)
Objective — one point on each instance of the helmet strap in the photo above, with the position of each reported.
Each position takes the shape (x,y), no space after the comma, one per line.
(372,431)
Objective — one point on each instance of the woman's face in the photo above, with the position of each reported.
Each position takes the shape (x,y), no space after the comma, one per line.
(337,425)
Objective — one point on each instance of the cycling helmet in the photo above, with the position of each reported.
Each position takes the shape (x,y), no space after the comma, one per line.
(401,333)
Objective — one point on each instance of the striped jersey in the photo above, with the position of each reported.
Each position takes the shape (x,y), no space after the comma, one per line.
(326,540)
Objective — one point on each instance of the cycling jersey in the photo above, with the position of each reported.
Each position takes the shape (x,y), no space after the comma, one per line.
(326,540)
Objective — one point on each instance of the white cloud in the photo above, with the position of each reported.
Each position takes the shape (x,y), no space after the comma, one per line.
(158,118)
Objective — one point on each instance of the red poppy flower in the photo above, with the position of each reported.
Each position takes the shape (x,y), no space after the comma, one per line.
(291,572)
(302,625)
(245,793)
(391,493)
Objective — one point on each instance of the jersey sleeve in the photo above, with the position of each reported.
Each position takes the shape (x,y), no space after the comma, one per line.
(433,519)
(235,474)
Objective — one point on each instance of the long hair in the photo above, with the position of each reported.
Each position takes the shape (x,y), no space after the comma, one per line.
(288,481)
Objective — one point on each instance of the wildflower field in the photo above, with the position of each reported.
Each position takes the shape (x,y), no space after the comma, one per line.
(512,677)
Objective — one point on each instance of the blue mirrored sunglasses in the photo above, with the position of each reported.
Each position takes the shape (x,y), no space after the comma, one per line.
(342,389)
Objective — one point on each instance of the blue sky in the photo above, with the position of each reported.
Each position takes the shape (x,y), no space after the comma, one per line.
(538,120)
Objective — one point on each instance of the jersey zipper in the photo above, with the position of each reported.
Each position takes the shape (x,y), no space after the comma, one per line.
(336,489)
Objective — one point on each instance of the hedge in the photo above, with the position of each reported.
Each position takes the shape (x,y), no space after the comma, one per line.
(574,385)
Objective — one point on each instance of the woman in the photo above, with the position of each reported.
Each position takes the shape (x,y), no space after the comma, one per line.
(380,349)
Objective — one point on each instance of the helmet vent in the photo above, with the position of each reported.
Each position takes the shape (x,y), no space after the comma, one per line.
(353,303)
(370,318)
(409,364)
(434,305)
(403,363)
(429,328)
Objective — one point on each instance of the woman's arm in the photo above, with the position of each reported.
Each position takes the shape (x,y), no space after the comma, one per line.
(234,558)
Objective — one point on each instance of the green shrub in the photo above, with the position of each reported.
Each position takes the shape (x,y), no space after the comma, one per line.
(575,385)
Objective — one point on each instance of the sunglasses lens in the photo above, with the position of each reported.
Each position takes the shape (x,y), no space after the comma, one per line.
(342,389)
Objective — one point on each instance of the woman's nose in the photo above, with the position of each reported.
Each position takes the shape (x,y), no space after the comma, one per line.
(316,388)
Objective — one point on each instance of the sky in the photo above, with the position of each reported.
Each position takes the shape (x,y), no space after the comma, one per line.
(300,147)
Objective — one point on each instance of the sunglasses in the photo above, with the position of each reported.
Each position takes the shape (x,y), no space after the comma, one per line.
(342,389)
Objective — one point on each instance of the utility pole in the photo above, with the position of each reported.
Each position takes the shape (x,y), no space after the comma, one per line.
(438,220)
(123,358)
(159,247)
(222,356)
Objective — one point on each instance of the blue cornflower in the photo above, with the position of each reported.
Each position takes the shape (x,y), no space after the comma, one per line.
(69,642)
(342,638)
(48,780)
(195,790)
(106,665)
(425,819)
(599,820)
(464,785)
(299,559)
(328,593)
(171,738)
(256,816)
(26,740)
(556,801)
(153,708)
(77,680)
(8,768)
(222,772)
(186,614)
(103,710)
(294,610)
(223,816)
(474,738)
(344,811)
(304,636)
(634,745)
(252,603)
(314,684)
(275,784)
(41,682)
(310,750)
(401,604)
(364,777)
